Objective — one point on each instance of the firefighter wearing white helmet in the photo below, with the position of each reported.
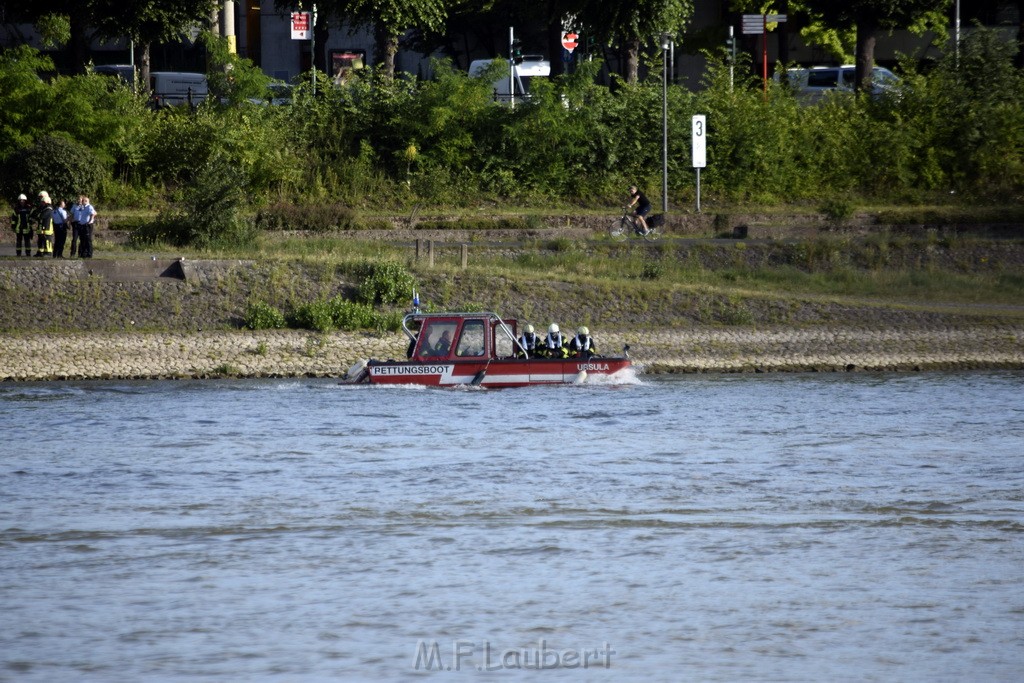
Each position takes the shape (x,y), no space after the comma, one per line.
(555,343)
(529,343)
(21,223)
(582,345)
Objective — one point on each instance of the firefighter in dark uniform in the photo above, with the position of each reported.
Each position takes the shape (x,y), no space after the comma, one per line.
(554,344)
(21,221)
(44,219)
(582,345)
(530,343)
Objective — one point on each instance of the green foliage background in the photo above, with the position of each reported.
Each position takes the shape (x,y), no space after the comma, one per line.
(379,143)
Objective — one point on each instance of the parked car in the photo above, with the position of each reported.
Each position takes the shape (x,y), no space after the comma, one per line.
(812,84)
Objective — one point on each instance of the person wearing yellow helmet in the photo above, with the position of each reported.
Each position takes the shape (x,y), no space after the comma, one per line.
(555,343)
(529,342)
(582,345)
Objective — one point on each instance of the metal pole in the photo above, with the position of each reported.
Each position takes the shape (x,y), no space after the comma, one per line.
(511,66)
(764,48)
(956,37)
(732,60)
(312,46)
(698,189)
(672,62)
(665,43)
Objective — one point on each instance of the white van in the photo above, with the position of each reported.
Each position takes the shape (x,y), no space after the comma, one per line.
(174,88)
(812,84)
(516,86)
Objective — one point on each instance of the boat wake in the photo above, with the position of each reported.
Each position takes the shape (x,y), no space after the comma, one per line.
(624,376)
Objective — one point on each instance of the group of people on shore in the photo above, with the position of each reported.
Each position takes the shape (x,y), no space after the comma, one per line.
(49,224)
(555,344)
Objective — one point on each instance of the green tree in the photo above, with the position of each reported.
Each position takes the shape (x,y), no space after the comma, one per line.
(868,17)
(48,15)
(391,19)
(24,97)
(633,24)
(147,22)
(232,77)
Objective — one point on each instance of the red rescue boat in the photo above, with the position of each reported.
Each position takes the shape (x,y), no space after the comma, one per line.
(480,349)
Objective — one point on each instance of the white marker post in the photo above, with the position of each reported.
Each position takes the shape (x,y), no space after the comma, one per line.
(699,149)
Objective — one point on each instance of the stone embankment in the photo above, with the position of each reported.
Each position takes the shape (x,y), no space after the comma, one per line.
(301,353)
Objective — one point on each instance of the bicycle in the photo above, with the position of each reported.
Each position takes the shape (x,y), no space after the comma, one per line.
(621,228)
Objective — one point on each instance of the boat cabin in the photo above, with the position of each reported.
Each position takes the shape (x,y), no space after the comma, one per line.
(459,336)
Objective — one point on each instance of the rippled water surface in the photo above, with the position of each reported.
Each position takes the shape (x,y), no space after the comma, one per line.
(713,528)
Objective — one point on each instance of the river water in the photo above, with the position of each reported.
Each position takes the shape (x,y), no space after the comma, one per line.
(716,528)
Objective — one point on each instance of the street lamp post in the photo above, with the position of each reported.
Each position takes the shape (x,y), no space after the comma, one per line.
(666,43)
(956,36)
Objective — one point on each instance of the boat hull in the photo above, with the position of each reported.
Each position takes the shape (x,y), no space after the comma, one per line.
(495,374)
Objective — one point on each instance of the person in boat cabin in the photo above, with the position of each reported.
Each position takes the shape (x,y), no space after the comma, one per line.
(582,345)
(555,343)
(530,342)
(443,344)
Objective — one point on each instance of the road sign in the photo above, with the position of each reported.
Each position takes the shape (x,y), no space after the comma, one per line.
(569,41)
(700,138)
(301,26)
(753,23)
(756,23)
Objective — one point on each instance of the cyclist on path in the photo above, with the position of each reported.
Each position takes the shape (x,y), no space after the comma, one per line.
(643,207)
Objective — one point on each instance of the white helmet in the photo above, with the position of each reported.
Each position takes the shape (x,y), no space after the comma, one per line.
(22,198)
(553,329)
(528,329)
(583,331)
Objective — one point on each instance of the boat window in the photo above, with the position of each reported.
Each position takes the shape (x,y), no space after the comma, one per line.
(436,338)
(471,343)
(502,343)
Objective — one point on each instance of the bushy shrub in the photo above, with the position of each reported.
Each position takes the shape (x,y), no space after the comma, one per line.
(652,270)
(385,282)
(338,313)
(349,315)
(315,315)
(262,316)
(836,209)
(960,127)
(213,206)
(178,144)
(317,217)
(62,167)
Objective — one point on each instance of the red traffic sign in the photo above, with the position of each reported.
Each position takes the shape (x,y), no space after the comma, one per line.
(569,41)
(301,26)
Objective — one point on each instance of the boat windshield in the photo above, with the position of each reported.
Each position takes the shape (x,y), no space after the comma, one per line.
(471,343)
(436,338)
